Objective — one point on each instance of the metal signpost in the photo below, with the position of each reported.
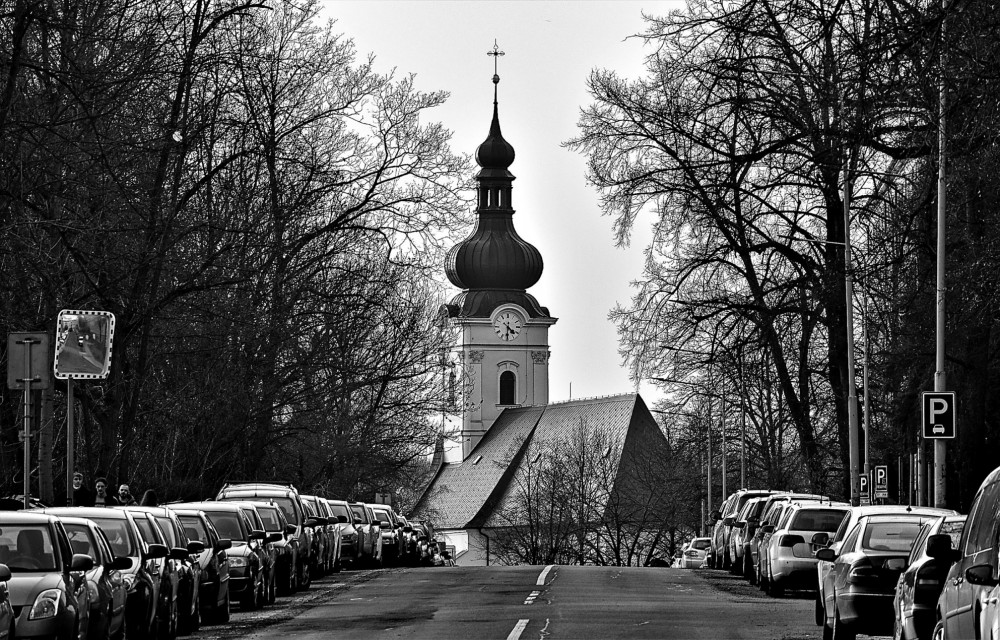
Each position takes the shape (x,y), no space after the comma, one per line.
(863,493)
(83,352)
(881,481)
(27,370)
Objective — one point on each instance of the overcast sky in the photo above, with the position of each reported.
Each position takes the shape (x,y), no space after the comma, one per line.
(550,48)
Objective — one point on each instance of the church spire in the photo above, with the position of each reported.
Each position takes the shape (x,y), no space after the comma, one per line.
(494,265)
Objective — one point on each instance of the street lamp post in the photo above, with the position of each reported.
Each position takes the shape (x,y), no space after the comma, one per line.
(852,393)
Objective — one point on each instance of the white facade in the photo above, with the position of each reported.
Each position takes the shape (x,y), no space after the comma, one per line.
(504,361)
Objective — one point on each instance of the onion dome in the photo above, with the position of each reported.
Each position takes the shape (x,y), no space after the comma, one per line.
(494,265)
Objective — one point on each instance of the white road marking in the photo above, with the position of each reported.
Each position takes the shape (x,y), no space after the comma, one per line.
(531,598)
(543,574)
(515,633)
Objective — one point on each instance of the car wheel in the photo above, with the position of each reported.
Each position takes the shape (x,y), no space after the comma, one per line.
(272,589)
(840,630)
(249,600)
(224,614)
(305,580)
(938,633)
(776,589)
(819,613)
(747,569)
(261,592)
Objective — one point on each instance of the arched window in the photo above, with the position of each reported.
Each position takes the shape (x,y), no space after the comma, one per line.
(508,388)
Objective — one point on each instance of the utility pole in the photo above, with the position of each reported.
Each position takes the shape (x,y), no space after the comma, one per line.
(852,393)
(940,448)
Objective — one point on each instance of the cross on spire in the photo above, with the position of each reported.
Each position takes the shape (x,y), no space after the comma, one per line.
(496,53)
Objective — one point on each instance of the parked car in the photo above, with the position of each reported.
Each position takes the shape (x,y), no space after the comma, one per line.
(695,553)
(369,532)
(724,518)
(333,525)
(392,533)
(47,586)
(141,579)
(351,544)
(183,557)
(866,568)
(744,528)
(264,547)
(107,587)
(921,582)
(323,536)
(213,561)
(284,549)
(788,558)
(824,577)
(167,570)
(287,497)
(964,605)
(7,616)
(246,572)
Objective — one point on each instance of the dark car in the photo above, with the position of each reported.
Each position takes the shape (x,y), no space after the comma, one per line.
(351,544)
(333,526)
(322,541)
(263,547)
(141,580)
(107,587)
(48,587)
(246,571)
(971,580)
(865,571)
(920,584)
(6,610)
(168,571)
(213,561)
(281,547)
(183,557)
(287,497)
(392,533)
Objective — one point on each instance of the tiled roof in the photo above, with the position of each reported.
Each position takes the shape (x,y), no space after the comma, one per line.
(466,495)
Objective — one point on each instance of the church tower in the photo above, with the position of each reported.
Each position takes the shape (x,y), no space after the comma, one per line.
(503,351)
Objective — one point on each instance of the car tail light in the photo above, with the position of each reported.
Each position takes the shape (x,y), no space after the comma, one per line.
(862,571)
(790,540)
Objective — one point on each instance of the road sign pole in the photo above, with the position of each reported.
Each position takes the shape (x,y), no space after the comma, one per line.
(70,441)
(940,448)
(26,478)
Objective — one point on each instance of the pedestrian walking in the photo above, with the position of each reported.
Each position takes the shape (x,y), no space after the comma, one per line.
(125,496)
(103,498)
(82,496)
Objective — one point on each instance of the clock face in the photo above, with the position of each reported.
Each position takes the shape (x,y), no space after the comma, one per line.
(507,325)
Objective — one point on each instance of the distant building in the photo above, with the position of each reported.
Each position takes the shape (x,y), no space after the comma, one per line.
(503,357)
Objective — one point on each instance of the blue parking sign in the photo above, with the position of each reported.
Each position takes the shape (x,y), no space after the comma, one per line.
(938,410)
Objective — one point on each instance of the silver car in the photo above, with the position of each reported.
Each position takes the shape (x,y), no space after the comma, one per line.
(790,556)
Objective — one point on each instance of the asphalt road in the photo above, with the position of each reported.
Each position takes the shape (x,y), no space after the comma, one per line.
(509,603)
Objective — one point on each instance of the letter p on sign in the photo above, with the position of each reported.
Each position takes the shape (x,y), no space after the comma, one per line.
(938,414)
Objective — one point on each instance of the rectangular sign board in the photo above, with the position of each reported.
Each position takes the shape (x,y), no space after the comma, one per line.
(938,412)
(19,344)
(83,344)
(881,481)
(865,489)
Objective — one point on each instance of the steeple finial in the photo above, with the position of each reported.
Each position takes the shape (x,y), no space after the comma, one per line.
(496,53)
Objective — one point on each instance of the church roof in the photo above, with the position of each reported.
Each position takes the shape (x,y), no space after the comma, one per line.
(465,495)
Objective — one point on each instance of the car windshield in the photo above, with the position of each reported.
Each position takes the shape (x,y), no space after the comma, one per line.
(119,536)
(80,540)
(227,523)
(826,520)
(269,516)
(702,543)
(195,529)
(340,510)
(167,528)
(26,548)
(890,536)
(359,514)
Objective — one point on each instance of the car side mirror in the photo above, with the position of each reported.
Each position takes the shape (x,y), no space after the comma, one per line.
(767,528)
(196,546)
(121,563)
(820,539)
(939,547)
(83,562)
(714,516)
(274,537)
(179,553)
(312,522)
(826,554)
(739,525)
(728,522)
(342,519)
(408,529)
(290,528)
(384,524)
(982,575)
(157,551)
(223,544)
(257,534)
(5,574)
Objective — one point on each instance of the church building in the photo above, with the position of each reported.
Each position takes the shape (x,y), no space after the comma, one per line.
(502,355)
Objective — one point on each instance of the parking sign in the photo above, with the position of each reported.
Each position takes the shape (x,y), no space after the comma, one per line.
(864,489)
(881,481)
(938,410)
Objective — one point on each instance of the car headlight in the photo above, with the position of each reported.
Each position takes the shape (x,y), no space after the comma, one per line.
(237,561)
(350,537)
(46,605)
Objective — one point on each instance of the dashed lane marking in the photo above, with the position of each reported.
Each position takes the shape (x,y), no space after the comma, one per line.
(515,633)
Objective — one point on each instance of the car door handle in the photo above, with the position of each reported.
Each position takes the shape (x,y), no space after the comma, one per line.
(957,581)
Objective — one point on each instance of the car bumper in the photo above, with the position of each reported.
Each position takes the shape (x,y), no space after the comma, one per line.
(794,573)
(692,563)
(919,622)
(869,613)
(61,625)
